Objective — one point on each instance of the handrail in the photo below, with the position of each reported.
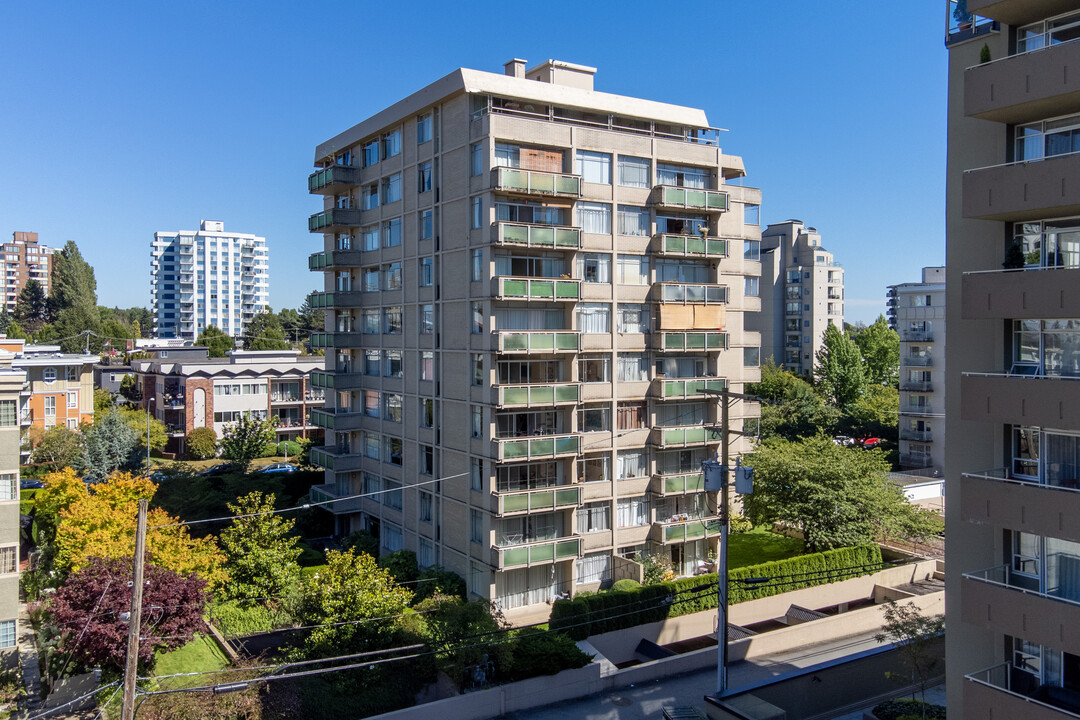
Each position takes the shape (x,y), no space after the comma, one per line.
(1007,477)
(1049,45)
(1022,162)
(1006,571)
(1040,376)
(1005,669)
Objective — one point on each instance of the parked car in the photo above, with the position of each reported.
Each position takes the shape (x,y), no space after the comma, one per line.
(222,469)
(30,484)
(279,468)
(870,442)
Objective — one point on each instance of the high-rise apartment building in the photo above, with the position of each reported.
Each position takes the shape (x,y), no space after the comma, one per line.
(1012,458)
(12,386)
(918,311)
(802,291)
(527,283)
(24,258)
(205,277)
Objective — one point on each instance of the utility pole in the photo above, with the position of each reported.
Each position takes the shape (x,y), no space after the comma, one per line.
(127,710)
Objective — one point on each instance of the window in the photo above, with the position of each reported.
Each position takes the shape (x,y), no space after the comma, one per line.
(371,403)
(595,268)
(594,568)
(391,188)
(392,407)
(751,357)
(751,286)
(633,512)
(476,270)
(633,220)
(1025,553)
(476,156)
(392,320)
(632,270)
(477,318)
(594,318)
(476,526)
(9,415)
(49,375)
(426,226)
(594,469)
(9,486)
(478,369)
(477,212)
(394,366)
(921,300)
(633,318)
(427,460)
(391,144)
(9,557)
(371,362)
(73,372)
(682,176)
(392,233)
(7,633)
(752,250)
(371,196)
(73,399)
(633,367)
(507,155)
(423,128)
(476,474)
(631,415)
(370,278)
(392,453)
(631,463)
(427,271)
(477,421)
(593,517)
(371,237)
(427,365)
(370,153)
(392,276)
(426,318)
(594,217)
(594,167)
(426,505)
(684,271)
(423,177)
(594,369)
(391,537)
(594,418)
(50,406)
(751,214)
(634,171)
(427,412)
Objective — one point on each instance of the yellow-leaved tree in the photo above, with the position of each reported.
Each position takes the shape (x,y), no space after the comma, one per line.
(102,524)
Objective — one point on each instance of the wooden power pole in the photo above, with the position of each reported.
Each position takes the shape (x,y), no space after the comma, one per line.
(127,710)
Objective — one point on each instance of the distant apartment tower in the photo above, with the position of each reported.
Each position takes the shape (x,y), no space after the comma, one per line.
(527,284)
(1012,456)
(207,277)
(24,258)
(802,291)
(920,322)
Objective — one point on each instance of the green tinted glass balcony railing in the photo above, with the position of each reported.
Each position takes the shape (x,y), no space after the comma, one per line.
(333,178)
(690,530)
(680,436)
(323,419)
(667,341)
(691,198)
(708,294)
(690,388)
(539,395)
(334,258)
(336,340)
(321,458)
(346,299)
(322,379)
(330,492)
(539,553)
(328,220)
(544,289)
(537,447)
(683,483)
(538,236)
(536,182)
(693,246)
(536,500)
(537,341)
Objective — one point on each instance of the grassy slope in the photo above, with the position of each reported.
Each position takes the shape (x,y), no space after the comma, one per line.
(760,545)
(200,654)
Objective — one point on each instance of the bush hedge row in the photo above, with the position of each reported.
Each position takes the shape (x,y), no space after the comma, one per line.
(586,615)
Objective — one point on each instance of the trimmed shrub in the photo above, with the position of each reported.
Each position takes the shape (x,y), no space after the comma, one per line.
(437,579)
(401,564)
(269,450)
(535,652)
(362,542)
(583,616)
(625,584)
(290,448)
(201,443)
(898,709)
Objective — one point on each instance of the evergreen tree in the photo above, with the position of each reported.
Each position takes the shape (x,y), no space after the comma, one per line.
(110,444)
(264,332)
(216,341)
(31,307)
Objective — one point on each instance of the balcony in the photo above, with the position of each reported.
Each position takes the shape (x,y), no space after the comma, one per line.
(541,447)
(685,388)
(709,294)
(694,246)
(1026,190)
(924,409)
(1018,12)
(683,198)
(556,498)
(337,459)
(329,300)
(679,531)
(334,220)
(333,419)
(916,435)
(342,380)
(538,395)
(973,26)
(917,360)
(538,289)
(916,461)
(539,553)
(331,492)
(679,341)
(672,437)
(1025,87)
(285,398)
(1010,598)
(677,484)
(916,386)
(535,182)
(536,341)
(991,693)
(545,237)
(331,180)
(334,259)
(1037,292)
(917,336)
(995,497)
(336,340)
(1048,401)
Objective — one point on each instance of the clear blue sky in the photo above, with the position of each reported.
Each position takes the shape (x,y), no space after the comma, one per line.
(119,119)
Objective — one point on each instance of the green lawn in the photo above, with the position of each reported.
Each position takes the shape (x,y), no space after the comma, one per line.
(201,654)
(760,545)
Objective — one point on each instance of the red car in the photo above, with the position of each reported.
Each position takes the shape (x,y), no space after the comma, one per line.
(870,442)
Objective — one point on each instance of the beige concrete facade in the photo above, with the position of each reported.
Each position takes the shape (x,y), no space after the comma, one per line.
(1012,447)
(802,292)
(13,385)
(917,313)
(526,284)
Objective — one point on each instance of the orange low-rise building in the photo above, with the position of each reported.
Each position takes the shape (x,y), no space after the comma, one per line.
(59,388)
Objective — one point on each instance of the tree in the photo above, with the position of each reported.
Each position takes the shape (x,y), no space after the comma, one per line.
(129,388)
(73,282)
(15,330)
(875,414)
(90,603)
(836,496)
(260,551)
(839,368)
(245,440)
(793,408)
(264,332)
(136,420)
(914,636)
(102,524)
(103,402)
(216,341)
(201,443)
(32,307)
(453,625)
(110,444)
(56,448)
(880,348)
(351,587)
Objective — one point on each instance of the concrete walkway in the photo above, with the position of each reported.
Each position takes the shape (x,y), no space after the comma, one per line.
(28,660)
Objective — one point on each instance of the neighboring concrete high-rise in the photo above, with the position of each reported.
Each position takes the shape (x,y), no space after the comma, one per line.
(12,382)
(920,321)
(802,291)
(1012,460)
(24,258)
(527,284)
(205,277)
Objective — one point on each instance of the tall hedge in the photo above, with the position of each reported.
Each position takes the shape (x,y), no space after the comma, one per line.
(609,611)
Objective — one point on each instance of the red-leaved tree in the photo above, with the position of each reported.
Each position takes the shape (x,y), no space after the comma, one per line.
(88,608)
